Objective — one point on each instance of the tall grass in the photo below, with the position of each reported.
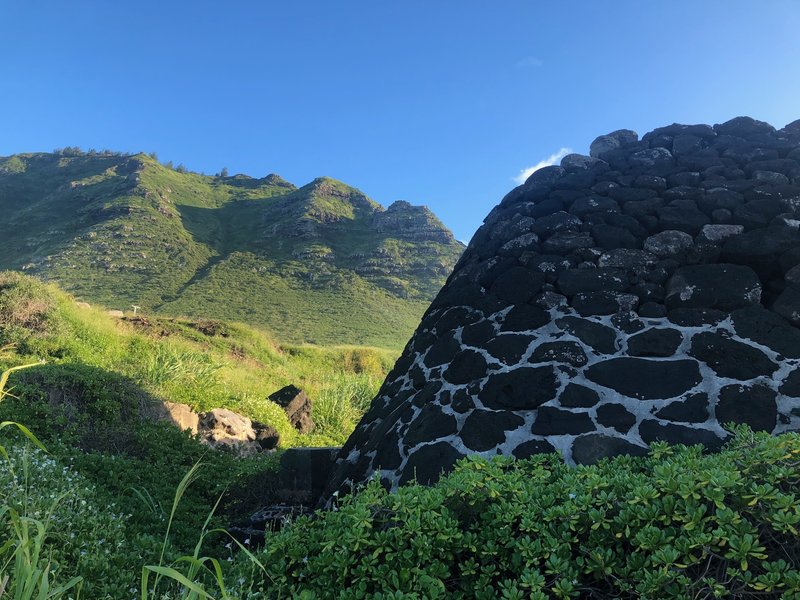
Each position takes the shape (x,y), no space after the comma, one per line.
(189,583)
(343,400)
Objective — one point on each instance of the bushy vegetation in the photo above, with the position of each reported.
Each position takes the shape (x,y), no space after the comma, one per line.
(675,524)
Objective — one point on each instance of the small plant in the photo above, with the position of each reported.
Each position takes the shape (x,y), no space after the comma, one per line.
(197,567)
(3,393)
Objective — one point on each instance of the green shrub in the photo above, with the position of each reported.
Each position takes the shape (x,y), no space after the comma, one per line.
(74,532)
(26,307)
(674,524)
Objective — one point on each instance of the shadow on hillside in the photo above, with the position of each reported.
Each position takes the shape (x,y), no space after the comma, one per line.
(92,408)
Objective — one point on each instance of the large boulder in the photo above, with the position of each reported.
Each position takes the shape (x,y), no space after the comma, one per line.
(297,406)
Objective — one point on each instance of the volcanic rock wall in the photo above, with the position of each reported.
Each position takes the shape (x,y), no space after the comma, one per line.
(649,291)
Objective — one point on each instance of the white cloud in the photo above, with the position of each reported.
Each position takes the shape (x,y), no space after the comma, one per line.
(550,160)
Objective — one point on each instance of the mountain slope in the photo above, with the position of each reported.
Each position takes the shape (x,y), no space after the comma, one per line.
(321,263)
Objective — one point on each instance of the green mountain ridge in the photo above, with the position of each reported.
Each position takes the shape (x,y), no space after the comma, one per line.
(322,263)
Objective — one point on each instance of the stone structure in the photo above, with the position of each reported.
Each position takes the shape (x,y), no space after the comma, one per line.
(649,291)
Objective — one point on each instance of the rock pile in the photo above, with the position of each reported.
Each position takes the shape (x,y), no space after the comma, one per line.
(649,291)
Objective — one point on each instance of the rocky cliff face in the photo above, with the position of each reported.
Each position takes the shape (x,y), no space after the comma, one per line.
(649,291)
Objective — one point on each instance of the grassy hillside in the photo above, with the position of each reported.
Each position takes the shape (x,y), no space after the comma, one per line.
(321,264)
(203,363)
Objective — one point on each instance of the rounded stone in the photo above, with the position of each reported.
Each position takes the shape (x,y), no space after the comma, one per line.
(553,421)
(722,286)
(754,406)
(578,396)
(655,431)
(564,352)
(657,341)
(592,448)
(729,358)
(668,243)
(694,409)
(524,388)
(485,429)
(646,379)
(615,416)
(468,365)
(600,337)
(427,464)
(429,425)
(508,348)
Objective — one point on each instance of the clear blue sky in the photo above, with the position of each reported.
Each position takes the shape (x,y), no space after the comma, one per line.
(441,102)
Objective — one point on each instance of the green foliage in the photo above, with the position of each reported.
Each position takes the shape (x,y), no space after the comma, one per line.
(121,230)
(675,524)
(56,529)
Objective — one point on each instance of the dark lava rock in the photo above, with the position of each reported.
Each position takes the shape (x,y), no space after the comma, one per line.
(509,348)
(297,407)
(484,429)
(768,329)
(565,352)
(556,222)
(788,304)
(426,465)
(531,448)
(430,424)
(646,379)
(615,416)
(652,310)
(590,449)
(266,436)
(627,322)
(696,317)
(468,365)
(729,358)
(525,388)
(476,334)
(791,385)
(668,243)
(654,431)
(754,406)
(627,258)
(517,285)
(603,303)
(574,281)
(692,410)
(612,141)
(601,338)
(525,318)
(677,218)
(578,396)
(722,286)
(442,351)
(655,342)
(552,421)
(743,127)
(566,242)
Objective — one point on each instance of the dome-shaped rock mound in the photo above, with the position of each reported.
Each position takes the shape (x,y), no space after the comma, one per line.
(647,292)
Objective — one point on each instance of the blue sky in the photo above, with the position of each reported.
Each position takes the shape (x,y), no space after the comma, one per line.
(438,102)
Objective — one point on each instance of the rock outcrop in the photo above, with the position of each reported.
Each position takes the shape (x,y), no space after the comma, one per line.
(297,407)
(219,428)
(647,292)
